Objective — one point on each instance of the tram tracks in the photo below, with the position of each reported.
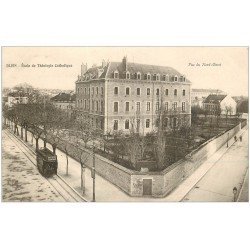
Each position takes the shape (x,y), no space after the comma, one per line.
(67,192)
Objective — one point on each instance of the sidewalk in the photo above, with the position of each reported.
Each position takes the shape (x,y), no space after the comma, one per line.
(228,172)
(185,187)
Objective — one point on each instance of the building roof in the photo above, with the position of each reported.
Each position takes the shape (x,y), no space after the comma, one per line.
(17,94)
(144,69)
(214,98)
(208,90)
(64,97)
(133,68)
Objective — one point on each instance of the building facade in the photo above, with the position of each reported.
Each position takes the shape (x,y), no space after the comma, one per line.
(122,95)
(224,104)
(65,101)
(16,98)
(198,96)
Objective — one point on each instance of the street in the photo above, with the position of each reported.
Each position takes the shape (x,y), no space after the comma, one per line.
(228,172)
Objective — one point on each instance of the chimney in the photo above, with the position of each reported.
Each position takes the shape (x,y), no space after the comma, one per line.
(124,63)
(84,68)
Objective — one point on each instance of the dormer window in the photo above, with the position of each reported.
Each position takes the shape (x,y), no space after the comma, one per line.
(127,75)
(184,78)
(148,76)
(138,76)
(176,78)
(181,78)
(158,77)
(116,74)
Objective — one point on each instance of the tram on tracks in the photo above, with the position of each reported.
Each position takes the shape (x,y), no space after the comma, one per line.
(46,162)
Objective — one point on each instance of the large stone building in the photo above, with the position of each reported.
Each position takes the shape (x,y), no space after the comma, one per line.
(118,95)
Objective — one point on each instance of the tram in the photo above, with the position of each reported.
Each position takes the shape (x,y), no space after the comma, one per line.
(46,162)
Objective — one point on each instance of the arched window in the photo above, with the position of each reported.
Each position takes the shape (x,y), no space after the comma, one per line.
(183,92)
(176,78)
(166,92)
(157,91)
(127,75)
(148,76)
(138,75)
(116,74)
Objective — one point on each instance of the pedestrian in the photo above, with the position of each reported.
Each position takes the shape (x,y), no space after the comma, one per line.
(235,138)
(241,138)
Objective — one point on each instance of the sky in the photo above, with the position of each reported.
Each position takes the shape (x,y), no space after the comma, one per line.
(226,67)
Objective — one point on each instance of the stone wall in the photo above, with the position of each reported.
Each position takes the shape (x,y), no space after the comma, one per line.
(165,181)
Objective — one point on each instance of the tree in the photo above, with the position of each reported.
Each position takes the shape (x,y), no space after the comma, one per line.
(228,110)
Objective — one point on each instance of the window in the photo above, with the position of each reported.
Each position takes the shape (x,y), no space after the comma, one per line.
(183,106)
(127,124)
(115,124)
(166,92)
(78,90)
(138,106)
(127,75)
(166,78)
(139,76)
(97,90)
(127,107)
(101,90)
(158,77)
(148,106)
(97,105)
(138,91)
(157,91)
(147,123)
(116,74)
(115,106)
(184,79)
(93,105)
(181,78)
(148,91)
(165,122)
(166,106)
(81,103)
(174,122)
(174,105)
(183,92)
(101,106)
(116,91)
(175,78)
(175,92)
(89,91)
(157,106)
(148,76)
(85,104)
(127,91)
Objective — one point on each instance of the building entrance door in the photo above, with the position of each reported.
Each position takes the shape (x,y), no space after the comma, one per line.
(147,186)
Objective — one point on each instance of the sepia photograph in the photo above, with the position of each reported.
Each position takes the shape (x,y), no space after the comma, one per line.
(125,124)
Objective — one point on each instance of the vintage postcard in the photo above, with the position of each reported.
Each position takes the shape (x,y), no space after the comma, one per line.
(125,124)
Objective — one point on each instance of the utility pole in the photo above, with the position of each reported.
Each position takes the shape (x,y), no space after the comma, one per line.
(93,173)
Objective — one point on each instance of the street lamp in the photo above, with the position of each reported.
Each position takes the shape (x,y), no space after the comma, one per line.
(235,190)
